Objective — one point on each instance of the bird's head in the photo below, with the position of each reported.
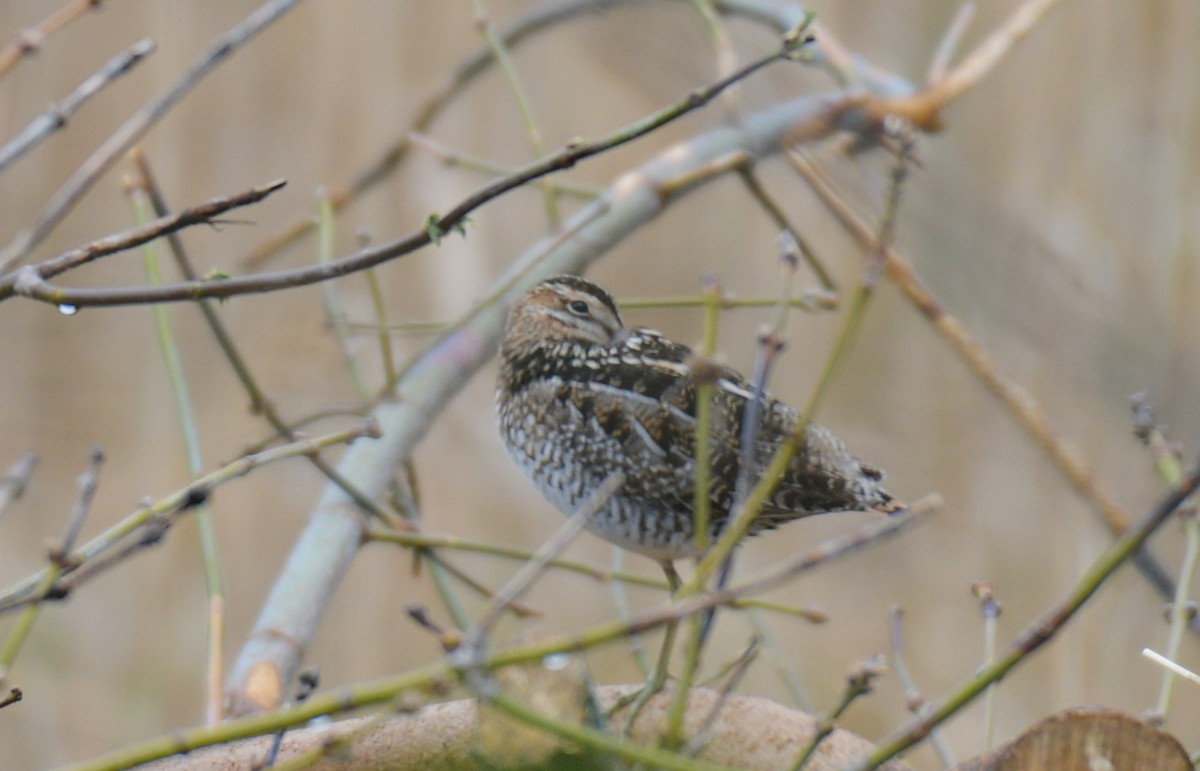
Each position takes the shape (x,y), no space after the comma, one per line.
(563,308)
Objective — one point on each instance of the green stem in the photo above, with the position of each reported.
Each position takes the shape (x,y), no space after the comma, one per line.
(143,210)
(673,737)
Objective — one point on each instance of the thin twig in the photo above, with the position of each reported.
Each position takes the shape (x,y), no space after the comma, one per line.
(872,271)
(949,44)
(165,225)
(430,541)
(458,159)
(25,591)
(737,670)
(12,697)
(31,39)
(1173,666)
(437,674)
(990,608)
(750,179)
(621,601)
(132,129)
(1167,463)
(12,484)
(1040,631)
(860,681)
(811,301)
(705,375)
(553,546)
(379,308)
(60,559)
(335,313)
(916,703)
(524,106)
(1065,454)
(55,116)
(435,228)
(781,660)
(259,402)
(924,108)
(727,60)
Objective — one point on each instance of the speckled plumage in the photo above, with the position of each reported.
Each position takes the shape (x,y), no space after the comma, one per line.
(580,397)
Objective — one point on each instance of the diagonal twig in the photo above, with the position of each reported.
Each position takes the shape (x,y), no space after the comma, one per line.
(165,225)
(435,228)
(56,116)
(29,40)
(138,124)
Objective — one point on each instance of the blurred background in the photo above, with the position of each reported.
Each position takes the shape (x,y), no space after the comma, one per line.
(1056,215)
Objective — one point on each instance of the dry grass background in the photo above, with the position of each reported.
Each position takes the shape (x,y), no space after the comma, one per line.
(1056,215)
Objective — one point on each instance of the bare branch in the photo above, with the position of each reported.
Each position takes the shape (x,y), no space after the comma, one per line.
(163,226)
(435,228)
(12,484)
(30,39)
(124,137)
(56,116)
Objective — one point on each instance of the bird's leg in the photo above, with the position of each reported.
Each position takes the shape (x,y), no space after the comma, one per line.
(658,678)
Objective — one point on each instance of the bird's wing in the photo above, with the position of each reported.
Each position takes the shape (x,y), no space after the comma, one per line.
(822,476)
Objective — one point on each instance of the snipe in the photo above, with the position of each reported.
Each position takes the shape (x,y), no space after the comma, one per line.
(580,397)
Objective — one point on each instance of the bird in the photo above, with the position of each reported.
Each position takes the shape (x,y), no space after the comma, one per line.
(580,397)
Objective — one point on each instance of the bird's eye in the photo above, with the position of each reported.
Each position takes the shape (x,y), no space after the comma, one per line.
(578,307)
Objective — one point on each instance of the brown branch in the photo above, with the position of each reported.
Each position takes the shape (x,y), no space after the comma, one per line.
(30,39)
(138,124)
(259,403)
(163,226)
(34,286)
(475,65)
(780,17)
(924,108)
(1022,404)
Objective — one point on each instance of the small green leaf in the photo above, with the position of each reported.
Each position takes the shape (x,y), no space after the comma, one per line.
(433,229)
